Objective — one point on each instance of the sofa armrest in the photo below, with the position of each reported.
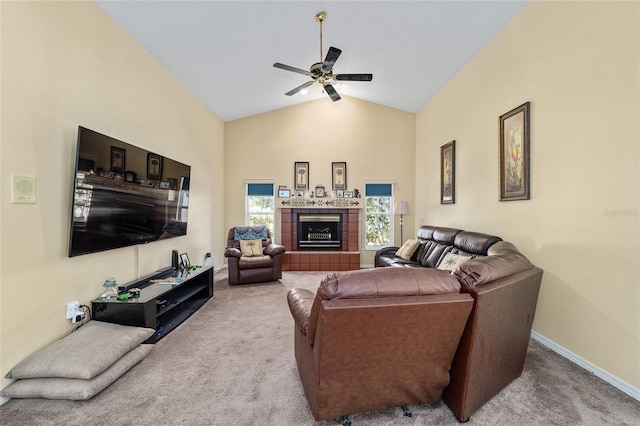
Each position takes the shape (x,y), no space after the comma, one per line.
(300,302)
(273,249)
(384,251)
(232,252)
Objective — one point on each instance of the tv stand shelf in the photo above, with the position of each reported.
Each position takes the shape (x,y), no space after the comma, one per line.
(161,306)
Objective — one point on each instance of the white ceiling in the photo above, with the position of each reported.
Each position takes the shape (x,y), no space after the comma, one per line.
(224,51)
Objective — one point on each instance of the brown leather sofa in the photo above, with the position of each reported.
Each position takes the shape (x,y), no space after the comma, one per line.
(377,338)
(254,269)
(504,286)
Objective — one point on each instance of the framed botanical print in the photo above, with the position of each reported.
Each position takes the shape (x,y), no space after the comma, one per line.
(154,166)
(118,159)
(301,175)
(514,154)
(339,175)
(448,173)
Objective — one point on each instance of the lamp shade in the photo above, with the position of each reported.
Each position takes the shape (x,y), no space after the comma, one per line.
(401,207)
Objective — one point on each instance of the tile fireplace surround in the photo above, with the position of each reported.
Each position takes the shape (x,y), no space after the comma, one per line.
(348,258)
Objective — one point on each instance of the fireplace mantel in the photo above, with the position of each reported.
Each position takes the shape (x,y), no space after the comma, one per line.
(319,203)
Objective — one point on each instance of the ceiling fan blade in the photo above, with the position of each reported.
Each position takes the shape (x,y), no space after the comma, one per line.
(331,91)
(330,59)
(354,77)
(290,68)
(299,88)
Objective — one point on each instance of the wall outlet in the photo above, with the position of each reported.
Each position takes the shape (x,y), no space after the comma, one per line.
(72,308)
(77,317)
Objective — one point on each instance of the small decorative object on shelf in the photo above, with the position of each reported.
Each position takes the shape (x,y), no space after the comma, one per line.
(111,286)
(320,191)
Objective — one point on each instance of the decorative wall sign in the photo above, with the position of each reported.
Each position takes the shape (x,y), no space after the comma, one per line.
(514,154)
(301,175)
(306,202)
(339,175)
(448,173)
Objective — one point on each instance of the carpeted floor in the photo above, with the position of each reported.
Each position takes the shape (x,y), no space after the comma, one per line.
(232,363)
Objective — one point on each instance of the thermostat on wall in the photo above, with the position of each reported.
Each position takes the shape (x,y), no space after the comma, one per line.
(23,189)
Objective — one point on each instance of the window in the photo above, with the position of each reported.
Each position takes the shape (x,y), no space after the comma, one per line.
(260,209)
(379,215)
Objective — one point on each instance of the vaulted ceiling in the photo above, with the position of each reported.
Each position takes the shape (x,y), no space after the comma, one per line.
(224,51)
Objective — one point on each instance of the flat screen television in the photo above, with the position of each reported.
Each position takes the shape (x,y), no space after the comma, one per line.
(124,195)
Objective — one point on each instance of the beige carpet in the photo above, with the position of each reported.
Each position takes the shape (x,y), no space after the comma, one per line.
(232,363)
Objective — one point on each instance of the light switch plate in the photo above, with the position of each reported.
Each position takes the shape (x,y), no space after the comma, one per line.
(23,189)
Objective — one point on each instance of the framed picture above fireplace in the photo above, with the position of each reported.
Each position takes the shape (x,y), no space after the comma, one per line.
(301,175)
(339,175)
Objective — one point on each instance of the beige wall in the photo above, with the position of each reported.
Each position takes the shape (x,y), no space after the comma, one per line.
(376,142)
(578,65)
(66,64)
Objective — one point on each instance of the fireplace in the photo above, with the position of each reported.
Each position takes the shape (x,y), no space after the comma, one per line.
(319,231)
(345,257)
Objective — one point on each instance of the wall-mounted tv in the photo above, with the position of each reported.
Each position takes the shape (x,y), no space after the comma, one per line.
(124,195)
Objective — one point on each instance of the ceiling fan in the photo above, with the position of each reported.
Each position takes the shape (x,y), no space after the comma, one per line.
(322,72)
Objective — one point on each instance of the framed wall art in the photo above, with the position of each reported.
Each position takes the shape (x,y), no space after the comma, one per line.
(448,173)
(154,166)
(284,193)
(118,159)
(514,154)
(301,175)
(339,175)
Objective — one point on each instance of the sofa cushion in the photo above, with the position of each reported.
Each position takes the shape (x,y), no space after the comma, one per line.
(255,262)
(451,261)
(445,235)
(83,354)
(387,282)
(503,259)
(75,389)
(251,248)
(380,282)
(407,249)
(434,253)
(475,242)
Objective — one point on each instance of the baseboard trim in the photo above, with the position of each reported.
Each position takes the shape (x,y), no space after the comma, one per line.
(625,387)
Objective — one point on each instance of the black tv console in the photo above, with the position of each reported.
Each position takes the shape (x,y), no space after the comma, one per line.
(161,306)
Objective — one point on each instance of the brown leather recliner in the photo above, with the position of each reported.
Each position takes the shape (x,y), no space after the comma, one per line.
(254,269)
(377,338)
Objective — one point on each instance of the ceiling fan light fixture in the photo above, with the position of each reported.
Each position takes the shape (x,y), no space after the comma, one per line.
(322,72)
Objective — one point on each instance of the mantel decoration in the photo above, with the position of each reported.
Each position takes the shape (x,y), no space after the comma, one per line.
(320,191)
(154,166)
(448,173)
(339,175)
(305,202)
(118,157)
(301,175)
(514,154)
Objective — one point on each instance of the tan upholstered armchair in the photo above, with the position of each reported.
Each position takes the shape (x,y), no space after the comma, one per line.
(251,255)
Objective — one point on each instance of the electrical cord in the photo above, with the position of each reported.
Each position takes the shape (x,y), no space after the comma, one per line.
(87,317)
